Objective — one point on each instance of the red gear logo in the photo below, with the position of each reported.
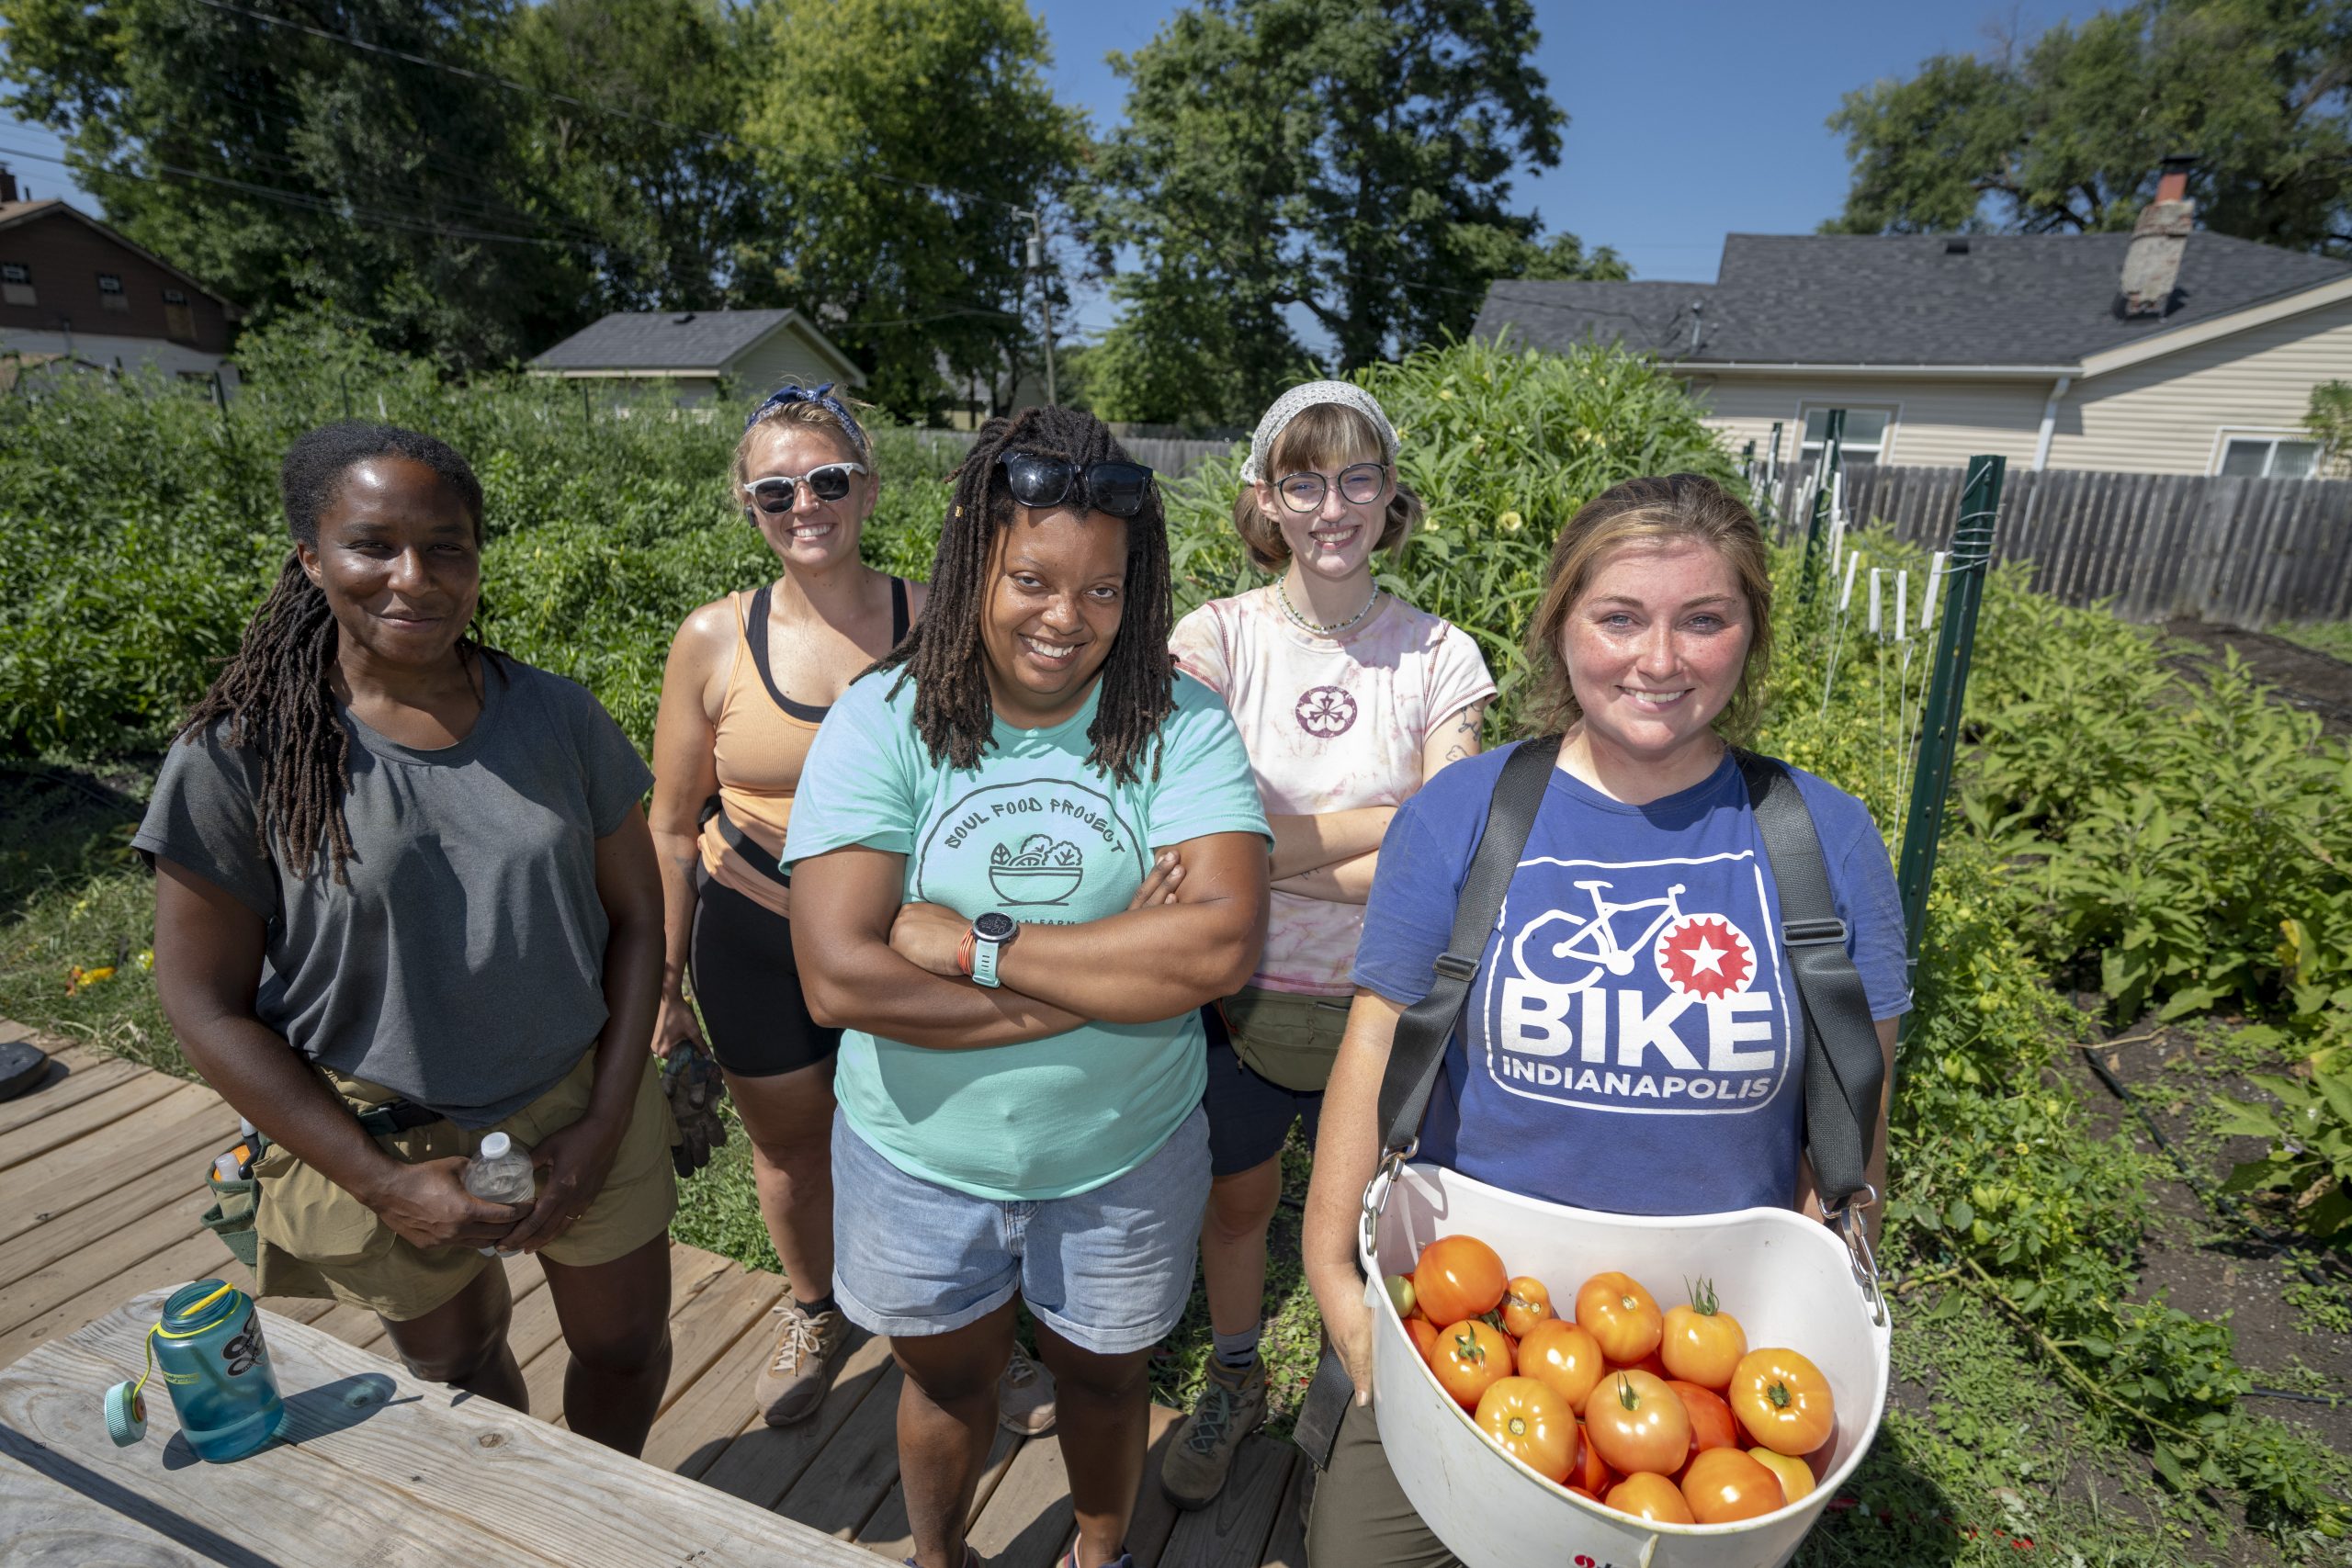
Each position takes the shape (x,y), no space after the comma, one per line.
(1705,956)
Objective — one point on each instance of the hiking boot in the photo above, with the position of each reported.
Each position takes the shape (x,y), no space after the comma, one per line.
(793,1382)
(1231,1406)
(1024,1397)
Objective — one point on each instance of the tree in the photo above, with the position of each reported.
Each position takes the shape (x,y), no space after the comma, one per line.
(2066,134)
(2329,419)
(907,143)
(634,110)
(1349,163)
(303,165)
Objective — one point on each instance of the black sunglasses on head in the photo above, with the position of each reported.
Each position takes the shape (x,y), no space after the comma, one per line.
(1119,489)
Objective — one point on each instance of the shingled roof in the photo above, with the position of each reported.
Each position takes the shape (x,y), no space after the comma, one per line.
(2046,300)
(669,340)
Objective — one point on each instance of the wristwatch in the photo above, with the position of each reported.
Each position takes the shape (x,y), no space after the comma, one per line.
(990,934)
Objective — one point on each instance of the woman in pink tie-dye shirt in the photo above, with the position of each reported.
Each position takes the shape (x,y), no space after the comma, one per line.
(1348,698)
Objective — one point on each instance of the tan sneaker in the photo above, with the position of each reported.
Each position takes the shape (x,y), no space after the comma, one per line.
(1024,1397)
(1231,1406)
(793,1382)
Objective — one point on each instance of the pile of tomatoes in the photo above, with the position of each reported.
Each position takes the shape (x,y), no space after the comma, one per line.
(1639,1410)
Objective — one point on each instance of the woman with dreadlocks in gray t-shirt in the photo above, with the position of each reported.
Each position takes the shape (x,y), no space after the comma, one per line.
(404,896)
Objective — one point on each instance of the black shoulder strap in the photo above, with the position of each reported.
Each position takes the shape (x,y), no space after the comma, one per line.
(1845,1070)
(755,636)
(1427,1024)
(898,611)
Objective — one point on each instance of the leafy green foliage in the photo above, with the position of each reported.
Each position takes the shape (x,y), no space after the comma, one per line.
(2310,1130)
(2329,419)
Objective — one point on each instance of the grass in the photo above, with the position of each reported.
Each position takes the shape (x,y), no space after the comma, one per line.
(2331,637)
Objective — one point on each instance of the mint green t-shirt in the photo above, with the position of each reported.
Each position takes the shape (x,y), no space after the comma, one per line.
(1039,834)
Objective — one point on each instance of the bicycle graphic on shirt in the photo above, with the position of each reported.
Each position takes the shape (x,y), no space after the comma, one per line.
(1592,939)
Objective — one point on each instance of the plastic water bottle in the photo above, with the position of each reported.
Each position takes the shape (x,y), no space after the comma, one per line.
(500,1172)
(208,1348)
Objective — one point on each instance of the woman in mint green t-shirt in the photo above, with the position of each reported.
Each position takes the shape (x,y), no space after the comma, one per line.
(1024,852)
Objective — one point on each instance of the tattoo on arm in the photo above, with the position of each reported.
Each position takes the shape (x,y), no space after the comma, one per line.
(1466,723)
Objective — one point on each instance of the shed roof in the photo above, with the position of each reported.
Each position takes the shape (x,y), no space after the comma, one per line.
(1901,299)
(704,341)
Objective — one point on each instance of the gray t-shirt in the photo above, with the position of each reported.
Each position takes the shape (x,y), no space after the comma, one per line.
(463,964)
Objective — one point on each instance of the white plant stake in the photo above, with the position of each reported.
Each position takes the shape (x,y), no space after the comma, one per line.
(1845,596)
(1928,600)
(1877,587)
(1902,604)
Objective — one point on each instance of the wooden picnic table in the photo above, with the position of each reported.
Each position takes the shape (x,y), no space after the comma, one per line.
(372,1467)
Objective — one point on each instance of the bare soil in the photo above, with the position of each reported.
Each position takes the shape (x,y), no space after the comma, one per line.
(2304,677)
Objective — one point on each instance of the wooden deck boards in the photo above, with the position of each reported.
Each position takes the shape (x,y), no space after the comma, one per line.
(105,1163)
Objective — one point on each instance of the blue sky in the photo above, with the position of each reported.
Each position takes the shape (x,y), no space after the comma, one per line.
(1689,119)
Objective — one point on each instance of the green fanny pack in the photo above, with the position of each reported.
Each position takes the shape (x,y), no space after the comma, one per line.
(1286,1037)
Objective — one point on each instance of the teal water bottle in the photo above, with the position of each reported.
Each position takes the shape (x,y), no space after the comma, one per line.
(210,1350)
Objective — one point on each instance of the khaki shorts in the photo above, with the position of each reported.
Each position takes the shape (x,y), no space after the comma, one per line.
(319,1240)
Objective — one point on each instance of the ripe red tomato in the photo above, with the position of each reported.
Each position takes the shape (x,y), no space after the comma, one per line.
(1646,1495)
(1701,1342)
(1469,1359)
(1458,1277)
(1525,1304)
(1783,1401)
(1638,1424)
(1724,1485)
(1649,1363)
(1563,1356)
(1712,1425)
(1616,1310)
(1531,1424)
(1592,1472)
(1423,1334)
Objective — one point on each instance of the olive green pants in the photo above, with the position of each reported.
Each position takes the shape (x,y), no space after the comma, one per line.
(1361,1518)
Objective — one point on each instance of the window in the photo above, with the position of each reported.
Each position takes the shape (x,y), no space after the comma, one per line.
(111,294)
(1868,435)
(2268,458)
(179,322)
(17,284)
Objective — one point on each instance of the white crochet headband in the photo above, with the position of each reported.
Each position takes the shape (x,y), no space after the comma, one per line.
(1299,399)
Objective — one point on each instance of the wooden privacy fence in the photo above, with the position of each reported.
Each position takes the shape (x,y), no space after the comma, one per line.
(1160,454)
(2245,551)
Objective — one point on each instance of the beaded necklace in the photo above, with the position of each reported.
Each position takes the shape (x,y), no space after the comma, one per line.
(1282,595)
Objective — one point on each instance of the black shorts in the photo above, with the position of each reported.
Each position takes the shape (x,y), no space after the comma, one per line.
(741,964)
(1248,1116)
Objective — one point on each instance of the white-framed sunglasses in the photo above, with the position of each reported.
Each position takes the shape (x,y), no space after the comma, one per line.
(775,493)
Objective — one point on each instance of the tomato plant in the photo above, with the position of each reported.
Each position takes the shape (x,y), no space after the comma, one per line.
(1616,1310)
(1702,1343)
(1637,1423)
(1783,1401)
(1531,1424)
(1525,1304)
(1469,1359)
(1457,1277)
(1564,1357)
(1725,1484)
(1651,1496)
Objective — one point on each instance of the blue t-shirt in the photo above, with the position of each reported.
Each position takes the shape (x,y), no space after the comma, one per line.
(1632,1042)
(1037,831)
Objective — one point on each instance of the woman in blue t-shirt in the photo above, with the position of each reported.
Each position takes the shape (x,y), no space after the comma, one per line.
(1632,1042)
(1025,853)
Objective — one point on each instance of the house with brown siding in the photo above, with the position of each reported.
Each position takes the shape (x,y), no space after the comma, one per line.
(73,290)
(2166,351)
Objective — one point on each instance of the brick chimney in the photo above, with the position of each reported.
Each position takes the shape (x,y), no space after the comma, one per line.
(7,184)
(2152,266)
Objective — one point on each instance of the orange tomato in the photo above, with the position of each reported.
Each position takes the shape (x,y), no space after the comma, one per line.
(1525,1304)
(1469,1359)
(1616,1310)
(1650,1496)
(1638,1424)
(1796,1476)
(1531,1424)
(1724,1485)
(1457,1277)
(1592,1472)
(1703,1343)
(1423,1334)
(1563,1356)
(1712,1425)
(1783,1401)
(1649,1363)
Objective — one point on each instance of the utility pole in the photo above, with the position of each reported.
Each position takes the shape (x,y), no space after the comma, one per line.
(1044,295)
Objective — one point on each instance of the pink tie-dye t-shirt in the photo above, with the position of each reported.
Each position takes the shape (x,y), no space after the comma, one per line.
(1331,723)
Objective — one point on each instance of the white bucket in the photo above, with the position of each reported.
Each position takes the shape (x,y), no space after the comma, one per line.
(1788,1280)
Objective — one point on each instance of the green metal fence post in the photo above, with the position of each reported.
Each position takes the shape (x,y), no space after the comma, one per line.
(1833,438)
(1963,592)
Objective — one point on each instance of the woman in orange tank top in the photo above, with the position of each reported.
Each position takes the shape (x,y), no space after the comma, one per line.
(749,679)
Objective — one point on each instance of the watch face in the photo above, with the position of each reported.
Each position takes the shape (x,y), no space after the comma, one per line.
(994,926)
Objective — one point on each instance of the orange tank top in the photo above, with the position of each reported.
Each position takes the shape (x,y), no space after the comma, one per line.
(763,738)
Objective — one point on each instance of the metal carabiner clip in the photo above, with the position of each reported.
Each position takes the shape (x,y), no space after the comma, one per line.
(1375,1195)
(1846,1221)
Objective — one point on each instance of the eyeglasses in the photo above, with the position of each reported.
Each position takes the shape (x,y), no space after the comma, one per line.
(774,494)
(1361,484)
(1119,489)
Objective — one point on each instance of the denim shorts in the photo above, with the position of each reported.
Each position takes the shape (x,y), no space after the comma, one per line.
(1108,1269)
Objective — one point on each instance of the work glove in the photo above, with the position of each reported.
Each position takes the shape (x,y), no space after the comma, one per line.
(690,1082)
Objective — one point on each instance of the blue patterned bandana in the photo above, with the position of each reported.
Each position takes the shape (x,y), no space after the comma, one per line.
(820,396)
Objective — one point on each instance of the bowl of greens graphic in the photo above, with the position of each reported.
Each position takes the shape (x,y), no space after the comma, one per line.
(1040,870)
